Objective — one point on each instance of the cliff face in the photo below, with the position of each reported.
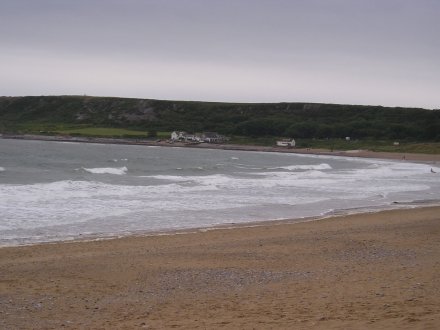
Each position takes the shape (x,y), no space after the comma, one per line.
(305,120)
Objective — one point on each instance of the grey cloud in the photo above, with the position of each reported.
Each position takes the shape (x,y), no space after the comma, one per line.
(386,40)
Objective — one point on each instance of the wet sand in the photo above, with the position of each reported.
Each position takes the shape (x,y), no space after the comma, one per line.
(367,271)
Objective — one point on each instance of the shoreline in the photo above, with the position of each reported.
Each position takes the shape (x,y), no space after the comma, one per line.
(340,213)
(413,157)
(231,225)
(377,270)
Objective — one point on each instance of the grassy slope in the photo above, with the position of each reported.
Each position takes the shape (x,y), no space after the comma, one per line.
(416,129)
(342,144)
(109,132)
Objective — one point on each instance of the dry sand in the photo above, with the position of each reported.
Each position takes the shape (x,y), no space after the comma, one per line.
(372,271)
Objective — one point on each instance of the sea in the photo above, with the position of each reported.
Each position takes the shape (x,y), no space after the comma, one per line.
(61,191)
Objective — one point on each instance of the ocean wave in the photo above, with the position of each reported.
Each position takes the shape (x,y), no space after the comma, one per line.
(391,170)
(2,169)
(168,177)
(248,167)
(107,170)
(317,167)
(211,189)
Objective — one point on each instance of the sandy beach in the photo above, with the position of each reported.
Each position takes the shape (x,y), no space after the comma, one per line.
(372,271)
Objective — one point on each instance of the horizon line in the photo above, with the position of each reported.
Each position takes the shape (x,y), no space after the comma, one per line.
(225,102)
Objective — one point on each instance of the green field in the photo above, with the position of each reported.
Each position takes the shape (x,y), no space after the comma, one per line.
(342,144)
(110,132)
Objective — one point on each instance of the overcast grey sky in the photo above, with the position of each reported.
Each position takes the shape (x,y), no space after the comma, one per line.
(381,52)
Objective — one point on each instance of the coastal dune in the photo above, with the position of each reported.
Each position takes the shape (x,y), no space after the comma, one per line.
(375,271)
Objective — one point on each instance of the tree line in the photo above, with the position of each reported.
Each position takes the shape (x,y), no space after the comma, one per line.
(298,120)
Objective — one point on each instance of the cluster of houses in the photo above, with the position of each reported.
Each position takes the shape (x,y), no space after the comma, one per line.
(213,137)
(209,137)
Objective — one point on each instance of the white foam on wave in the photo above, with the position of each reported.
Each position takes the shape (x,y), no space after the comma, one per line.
(63,205)
(2,169)
(248,167)
(170,200)
(321,167)
(175,178)
(375,180)
(385,169)
(213,181)
(107,170)
(68,202)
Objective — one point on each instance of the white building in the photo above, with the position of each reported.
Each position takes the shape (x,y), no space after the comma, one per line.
(209,137)
(178,136)
(286,143)
(213,137)
(184,136)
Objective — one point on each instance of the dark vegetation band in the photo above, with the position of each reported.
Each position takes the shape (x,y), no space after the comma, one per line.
(299,120)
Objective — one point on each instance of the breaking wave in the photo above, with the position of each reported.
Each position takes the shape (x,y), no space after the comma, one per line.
(318,167)
(107,170)
(184,188)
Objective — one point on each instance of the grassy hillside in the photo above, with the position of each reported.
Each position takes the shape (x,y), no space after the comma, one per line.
(324,122)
